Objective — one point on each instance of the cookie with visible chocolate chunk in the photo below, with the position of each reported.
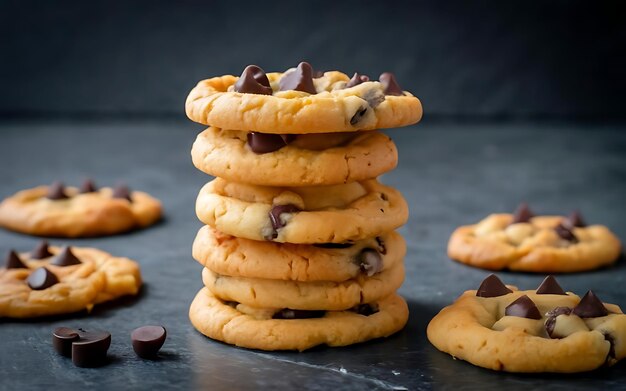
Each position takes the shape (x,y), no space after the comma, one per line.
(71,212)
(293,160)
(524,242)
(52,280)
(303,215)
(301,101)
(287,329)
(543,330)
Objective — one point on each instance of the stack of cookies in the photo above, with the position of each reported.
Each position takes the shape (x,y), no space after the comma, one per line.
(299,247)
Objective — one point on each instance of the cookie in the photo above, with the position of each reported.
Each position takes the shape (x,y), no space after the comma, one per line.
(321,214)
(297,102)
(71,212)
(244,327)
(315,295)
(536,244)
(300,160)
(543,330)
(53,280)
(237,257)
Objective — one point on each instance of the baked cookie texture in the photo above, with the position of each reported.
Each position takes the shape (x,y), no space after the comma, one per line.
(542,330)
(74,279)
(77,214)
(547,244)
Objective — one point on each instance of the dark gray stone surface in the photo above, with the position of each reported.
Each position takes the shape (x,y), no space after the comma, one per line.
(450,174)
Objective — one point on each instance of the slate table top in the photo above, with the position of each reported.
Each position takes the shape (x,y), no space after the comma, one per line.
(451,174)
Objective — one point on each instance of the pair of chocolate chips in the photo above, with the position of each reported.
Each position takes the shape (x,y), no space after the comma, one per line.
(523,214)
(387,79)
(590,306)
(56,191)
(524,307)
(253,80)
(492,286)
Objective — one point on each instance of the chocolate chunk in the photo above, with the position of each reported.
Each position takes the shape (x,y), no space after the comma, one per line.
(41,278)
(13,261)
(65,258)
(357,79)
(301,79)
(56,191)
(590,307)
(370,261)
(365,309)
(381,246)
(358,115)
(275,216)
(147,340)
(62,338)
(334,245)
(122,191)
(390,85)
(264,142)
(253,80)
(41,251)
(287,313)
(492,287)
(88,186)
(523,307)
(91,349)
(551,318)
(575,219)
(522,214)
(549,286)
(565,233)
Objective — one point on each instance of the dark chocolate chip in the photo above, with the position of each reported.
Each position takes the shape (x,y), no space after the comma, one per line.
(358,115)
(275,216)
(590,307)
(264,142)
(575,219)
(41,278)
(522,214)
(365,309)
(381,245)
(287,313)
(147,340)
(65,258)
(41,251)
(13,261)
(565,233)
(232,304)
(62,338)
(334,245)
(357,79)
(91,349)
(56,191)
(253,80)
(492,287)
(88,186)
(301,79)
(122,191)
(370,261)
(390,85)
(549,286)
(523,307)
(551,318)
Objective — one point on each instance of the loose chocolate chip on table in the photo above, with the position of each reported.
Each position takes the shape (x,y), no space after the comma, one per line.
(358,115)
(276,212)
(381,246)
(390,85)
(590,307)
(522,214)
(62,339)
(549,286)
(365,309)
(41,278)
(565,233)
(91,349)
(88,186)
(357,79)
(122,191)
(13,261)
(253,80)
(523,307)
(287,313)
(370,261)
(56,191)
(301,79)
(65,258)
(41,251)
(147,340)
(264,142)
(552,315)
(334,245)
(575,219)
(492,287)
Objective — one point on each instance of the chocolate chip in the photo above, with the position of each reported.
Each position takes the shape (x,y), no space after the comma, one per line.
(334,245)
(56,191)
(365,309)
(301,79)
(91,349)
(147,340)
(264,142)
(590,307)
(13,261)
(551,318)
(381,245)
(275,216)
(565,233)
(287,313)
(232,304)
(41,251)
(523,307)
(65,258)
(41,278)
(522,214)
(390,85)
(122,191)
(575,219)
(549,286)
(253,80)
(370,261)
(88,186)
(62,338)
(492,287)
(357,79)
(358,115)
